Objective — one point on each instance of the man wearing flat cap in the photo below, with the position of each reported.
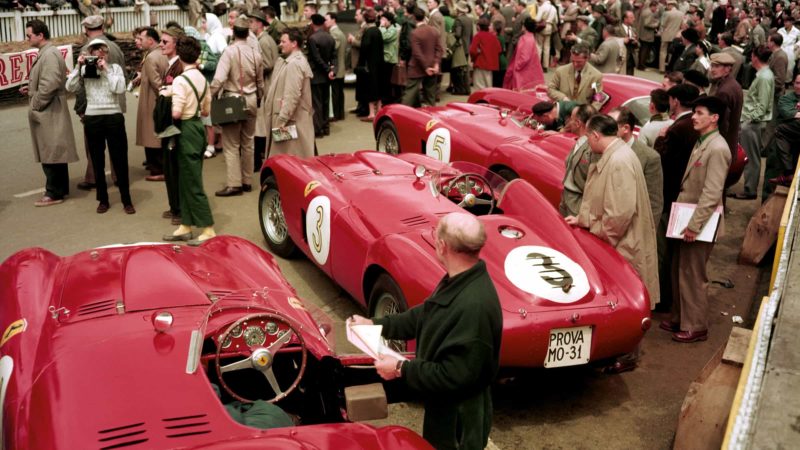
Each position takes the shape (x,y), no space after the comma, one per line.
(727,89)
(586,34)
(93,29)
(553,115)
(703,185)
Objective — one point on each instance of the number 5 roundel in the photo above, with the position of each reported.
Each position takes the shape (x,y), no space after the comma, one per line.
(438,144)
(318,228)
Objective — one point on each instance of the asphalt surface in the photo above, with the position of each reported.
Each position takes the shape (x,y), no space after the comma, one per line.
(562,408)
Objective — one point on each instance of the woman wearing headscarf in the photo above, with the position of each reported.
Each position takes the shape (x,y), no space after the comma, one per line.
(370,61)
(212,43)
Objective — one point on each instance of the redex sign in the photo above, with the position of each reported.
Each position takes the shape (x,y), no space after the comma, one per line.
(15,67)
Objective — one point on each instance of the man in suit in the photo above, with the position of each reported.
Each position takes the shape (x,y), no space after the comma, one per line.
(269,52)
(436,20)
(674,144)
(703,185)
(423,67)
(778,63)
(671,22)
(599,22)
(546,13)
(725,87)
(239,74)
(631,40)
(586,34)
(154,64)
(610,55)
(553,115)
(50,124)
(649,22)
(174,69)
(577,80)
(321,57)
(685,59)
(337,84)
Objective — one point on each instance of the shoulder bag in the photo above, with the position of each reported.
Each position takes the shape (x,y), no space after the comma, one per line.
(231,109)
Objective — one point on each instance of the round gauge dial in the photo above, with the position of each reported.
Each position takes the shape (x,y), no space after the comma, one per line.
(227,342)
(272,328)
(236,331)
(254,335)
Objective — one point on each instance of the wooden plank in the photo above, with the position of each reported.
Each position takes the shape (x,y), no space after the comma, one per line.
(762,231)
(736,350)
(704,417)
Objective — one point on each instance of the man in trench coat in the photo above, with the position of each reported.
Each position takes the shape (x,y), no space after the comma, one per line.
(289,99)
(458,331)
(50,123)
(154,65)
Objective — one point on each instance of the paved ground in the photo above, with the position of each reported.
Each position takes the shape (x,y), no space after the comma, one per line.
(566,408)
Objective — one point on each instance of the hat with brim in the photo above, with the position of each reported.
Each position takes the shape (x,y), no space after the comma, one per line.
(715,105)
(691,35)
(599,8)
(585,19)
(462,6)
(258,15)
(696,78)
(97,43)
(721,58)
(672,2)
(93,22)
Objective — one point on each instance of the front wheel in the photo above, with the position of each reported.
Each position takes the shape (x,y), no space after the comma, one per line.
(387,140)
(273,222)
(387,299)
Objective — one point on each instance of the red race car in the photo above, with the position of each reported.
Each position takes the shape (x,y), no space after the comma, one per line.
(368,220)
(159,346)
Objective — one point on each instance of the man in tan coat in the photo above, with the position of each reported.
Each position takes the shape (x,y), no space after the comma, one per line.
(239,73)
(671,22)
(51,126)
(577,80)
(289,99)
(616,205)
(269,53)
(154,64)
(611,55)
(703,185)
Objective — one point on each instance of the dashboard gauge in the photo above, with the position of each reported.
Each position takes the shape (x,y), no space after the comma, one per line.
(477,188)
(236,331)
(282,333)
(254,336)
(227,342)
(272,328)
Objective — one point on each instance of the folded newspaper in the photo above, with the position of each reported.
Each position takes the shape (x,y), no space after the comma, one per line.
(368,339)
(284,134)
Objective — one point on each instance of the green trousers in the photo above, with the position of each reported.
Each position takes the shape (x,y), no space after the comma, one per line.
(195,210)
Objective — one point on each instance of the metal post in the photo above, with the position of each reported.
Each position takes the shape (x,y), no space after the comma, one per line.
(19,29)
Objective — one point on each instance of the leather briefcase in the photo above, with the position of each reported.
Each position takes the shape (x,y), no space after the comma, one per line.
(228,110)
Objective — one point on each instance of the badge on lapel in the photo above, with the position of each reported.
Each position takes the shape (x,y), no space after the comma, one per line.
(698,164)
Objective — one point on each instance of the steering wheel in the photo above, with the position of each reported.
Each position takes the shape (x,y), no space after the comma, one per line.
(467,193)
(262,358)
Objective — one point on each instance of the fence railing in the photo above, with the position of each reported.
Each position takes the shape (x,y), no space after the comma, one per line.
(66,21)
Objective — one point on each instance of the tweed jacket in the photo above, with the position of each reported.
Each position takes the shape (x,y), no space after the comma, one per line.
(562,85)
(703,182)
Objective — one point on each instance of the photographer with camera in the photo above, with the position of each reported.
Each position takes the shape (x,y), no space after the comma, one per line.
(104,123)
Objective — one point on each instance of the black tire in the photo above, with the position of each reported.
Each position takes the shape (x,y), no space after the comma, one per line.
(273,223)
(387,298)
(507,173)
(387,140)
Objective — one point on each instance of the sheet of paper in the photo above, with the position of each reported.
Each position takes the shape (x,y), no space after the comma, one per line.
(367,338)
(679,218)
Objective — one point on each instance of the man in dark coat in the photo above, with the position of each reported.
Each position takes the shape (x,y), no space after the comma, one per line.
(321,58)
(727,89)
(423,67)
(458,331)
(675,146)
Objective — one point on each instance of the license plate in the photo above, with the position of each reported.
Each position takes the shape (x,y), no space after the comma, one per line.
(568,347)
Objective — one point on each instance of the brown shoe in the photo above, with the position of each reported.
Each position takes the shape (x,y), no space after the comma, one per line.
(670,326)
(47,201)
(154,178)
(690,336)
(129,209)
(102,208)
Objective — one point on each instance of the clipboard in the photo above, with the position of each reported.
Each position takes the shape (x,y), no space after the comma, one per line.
(681,214)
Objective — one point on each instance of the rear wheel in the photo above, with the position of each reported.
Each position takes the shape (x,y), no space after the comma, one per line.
(386,299)
(273,222)
(388,141)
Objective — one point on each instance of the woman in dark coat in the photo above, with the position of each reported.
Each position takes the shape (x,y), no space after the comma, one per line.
(370,60)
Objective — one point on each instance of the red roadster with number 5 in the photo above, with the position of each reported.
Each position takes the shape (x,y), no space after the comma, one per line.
(368,219)
(161,346)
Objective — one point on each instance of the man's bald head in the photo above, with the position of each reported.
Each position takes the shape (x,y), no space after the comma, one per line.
(462,232)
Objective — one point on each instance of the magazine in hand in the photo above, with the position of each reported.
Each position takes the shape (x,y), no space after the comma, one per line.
(286,134)
(367,338)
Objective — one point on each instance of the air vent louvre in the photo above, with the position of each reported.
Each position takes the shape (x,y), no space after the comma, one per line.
(217,295)
(103,306)
(183,426)
(510,139)
(360,173)
(415,221)
(122,436)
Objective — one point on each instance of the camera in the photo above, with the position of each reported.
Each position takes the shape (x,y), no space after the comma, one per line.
(91,67)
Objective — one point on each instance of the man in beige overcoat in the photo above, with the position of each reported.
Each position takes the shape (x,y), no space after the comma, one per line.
(703,185)
(154,64)
(616,209)
(50,123)
(269,53)
(289,99)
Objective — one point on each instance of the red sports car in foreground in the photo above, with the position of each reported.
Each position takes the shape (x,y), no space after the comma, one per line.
(150,346)
(368,219)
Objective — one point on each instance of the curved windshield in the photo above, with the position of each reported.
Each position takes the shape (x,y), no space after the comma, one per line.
(460,172)
(640,107)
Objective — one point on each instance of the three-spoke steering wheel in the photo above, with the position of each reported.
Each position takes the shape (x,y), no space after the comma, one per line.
(262,358)
(466,186)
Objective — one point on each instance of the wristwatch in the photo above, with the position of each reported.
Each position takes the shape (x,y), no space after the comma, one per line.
(398,369)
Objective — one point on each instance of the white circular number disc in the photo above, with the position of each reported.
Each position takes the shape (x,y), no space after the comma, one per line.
(318,228)
(546,273)
(438,144)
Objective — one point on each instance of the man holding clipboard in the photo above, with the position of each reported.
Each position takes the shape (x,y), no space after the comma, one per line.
(703,185)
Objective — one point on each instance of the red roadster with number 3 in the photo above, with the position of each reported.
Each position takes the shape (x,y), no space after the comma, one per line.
(368,219)
(154,346)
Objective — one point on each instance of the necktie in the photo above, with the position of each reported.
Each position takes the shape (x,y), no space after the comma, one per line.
(577,85)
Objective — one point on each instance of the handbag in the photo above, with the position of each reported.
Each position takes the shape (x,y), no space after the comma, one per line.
(399,74)
(225,110)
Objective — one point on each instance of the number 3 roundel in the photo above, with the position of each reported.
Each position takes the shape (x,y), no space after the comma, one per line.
(546,273)
(318,228)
